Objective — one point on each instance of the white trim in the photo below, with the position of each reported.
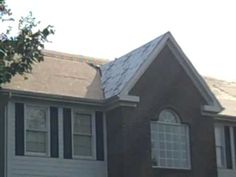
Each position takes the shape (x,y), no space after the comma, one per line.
(93,135)
(105,136)
(211,109)
(232,146)
(47,153)
(222,142)
(168,40)
(129,98)
(198,81)
(144,66)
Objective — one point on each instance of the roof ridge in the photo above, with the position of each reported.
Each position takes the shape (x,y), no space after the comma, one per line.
(74,57)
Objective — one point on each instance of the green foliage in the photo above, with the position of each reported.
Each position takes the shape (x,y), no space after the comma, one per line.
(19,52)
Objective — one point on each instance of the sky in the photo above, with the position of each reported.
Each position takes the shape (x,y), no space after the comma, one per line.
(205,29)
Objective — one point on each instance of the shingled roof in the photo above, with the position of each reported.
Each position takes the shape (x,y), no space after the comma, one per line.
(97,79)
(116,74)
(62,74)
(226,93)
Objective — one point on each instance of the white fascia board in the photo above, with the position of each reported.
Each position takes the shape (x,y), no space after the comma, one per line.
(213,104)
(51,97)
(125,101)
(129,98)
(168,39)
(211,109)
(125,91)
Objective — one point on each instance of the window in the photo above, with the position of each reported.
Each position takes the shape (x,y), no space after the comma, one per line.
(220,146)
(36,130)
(170,141)
(83,135)
(225,137)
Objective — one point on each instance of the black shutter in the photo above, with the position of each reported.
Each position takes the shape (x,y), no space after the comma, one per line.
(19,128)
(67,138)
(234,139)
(54,131)
(99,135)
(228,148)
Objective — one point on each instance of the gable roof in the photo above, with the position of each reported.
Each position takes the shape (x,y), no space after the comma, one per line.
(226,93)
(80,76)
(120,76)
(116,74)
(61,74)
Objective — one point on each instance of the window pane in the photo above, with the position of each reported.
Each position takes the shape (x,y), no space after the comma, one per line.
(82,123)
(220,146)
(220,156)
(168,116)
(171,145)
(154,158)
(82,145)
(36,142)
(36,118)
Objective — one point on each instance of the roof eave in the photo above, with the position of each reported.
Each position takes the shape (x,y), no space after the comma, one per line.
(121,100)
(51,97)
(213,105)
(212,109)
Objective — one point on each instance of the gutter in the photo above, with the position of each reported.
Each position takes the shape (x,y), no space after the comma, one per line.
(51,97)
(107,104)
(227,118)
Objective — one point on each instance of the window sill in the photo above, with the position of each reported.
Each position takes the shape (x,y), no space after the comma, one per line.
(84,158)
(35,155)
(171,168)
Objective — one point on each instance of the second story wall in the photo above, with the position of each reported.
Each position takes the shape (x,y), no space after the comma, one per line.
(164,85)
(72,157)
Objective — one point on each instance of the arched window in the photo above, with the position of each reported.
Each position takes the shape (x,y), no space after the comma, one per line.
(170,141)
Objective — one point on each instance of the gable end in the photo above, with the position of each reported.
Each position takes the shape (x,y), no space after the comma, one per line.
(212,106)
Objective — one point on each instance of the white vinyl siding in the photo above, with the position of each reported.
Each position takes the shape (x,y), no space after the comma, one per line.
(45,166)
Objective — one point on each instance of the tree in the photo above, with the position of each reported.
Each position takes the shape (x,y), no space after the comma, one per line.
(19,51)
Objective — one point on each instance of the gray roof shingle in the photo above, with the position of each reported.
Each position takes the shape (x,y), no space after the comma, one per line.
(116,74)
(61,74)
(226,93)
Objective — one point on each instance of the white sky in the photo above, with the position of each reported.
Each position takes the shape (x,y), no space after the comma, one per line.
(205,29)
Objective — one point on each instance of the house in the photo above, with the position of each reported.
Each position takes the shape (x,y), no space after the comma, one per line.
(146,114)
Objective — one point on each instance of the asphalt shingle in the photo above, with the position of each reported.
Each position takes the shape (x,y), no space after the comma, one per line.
(116,74)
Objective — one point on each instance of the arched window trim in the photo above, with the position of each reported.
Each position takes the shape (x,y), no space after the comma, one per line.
(156,144)
(165,112)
